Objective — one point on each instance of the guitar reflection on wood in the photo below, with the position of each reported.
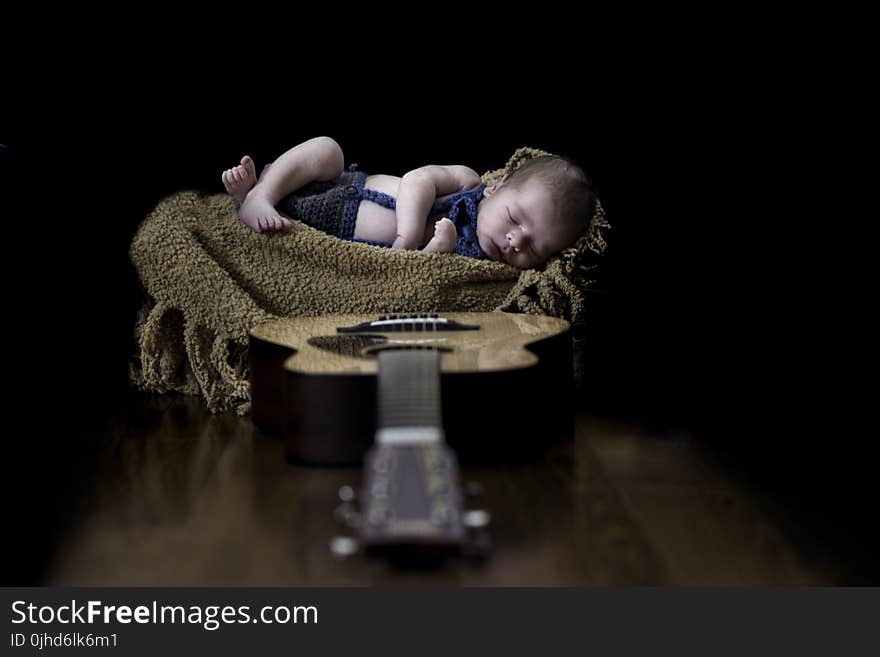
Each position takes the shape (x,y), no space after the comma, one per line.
(354,388)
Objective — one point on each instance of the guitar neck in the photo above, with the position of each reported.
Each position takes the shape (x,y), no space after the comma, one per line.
(410,410)
(411,489)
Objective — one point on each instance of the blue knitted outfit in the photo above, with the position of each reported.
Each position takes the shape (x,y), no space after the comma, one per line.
(332,207)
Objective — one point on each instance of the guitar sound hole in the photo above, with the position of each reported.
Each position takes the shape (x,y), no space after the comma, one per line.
(347,345)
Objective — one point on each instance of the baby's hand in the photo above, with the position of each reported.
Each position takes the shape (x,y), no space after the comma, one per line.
(444,230)
(444,237)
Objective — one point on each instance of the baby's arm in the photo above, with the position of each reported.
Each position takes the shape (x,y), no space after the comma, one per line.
(418,190)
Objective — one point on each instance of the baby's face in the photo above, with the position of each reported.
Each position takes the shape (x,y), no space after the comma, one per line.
(519,225)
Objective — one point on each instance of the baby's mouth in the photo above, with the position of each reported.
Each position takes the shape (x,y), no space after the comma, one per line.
(494,251)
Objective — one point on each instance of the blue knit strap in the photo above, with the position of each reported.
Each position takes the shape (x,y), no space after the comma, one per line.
(462,210)
(355,193)
(379,198)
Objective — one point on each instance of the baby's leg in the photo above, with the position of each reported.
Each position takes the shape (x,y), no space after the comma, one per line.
(239,181)
(317,159)
(444,237)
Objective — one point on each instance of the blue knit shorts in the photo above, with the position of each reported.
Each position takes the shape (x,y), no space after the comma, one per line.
(330,206)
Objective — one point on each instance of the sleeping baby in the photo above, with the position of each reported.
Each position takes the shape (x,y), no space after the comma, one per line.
(531,214)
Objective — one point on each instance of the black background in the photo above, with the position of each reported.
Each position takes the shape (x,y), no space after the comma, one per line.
(736,191)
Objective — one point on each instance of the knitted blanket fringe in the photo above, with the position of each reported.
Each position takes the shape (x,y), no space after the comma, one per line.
(209,279)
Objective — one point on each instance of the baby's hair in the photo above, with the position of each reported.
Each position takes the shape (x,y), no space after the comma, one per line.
(573,188)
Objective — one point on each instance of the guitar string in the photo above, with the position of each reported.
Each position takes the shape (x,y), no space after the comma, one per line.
(418,400)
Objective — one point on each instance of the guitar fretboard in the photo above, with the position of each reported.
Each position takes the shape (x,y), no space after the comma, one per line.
(409,396)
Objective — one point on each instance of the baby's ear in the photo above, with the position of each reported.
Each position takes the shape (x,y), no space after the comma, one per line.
(494,187)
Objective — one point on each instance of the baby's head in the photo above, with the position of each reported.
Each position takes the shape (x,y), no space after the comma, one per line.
(534,212)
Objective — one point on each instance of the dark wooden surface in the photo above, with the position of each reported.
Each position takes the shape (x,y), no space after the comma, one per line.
(180,497)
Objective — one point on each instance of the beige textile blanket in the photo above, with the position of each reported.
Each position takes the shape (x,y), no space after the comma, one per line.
(210,279)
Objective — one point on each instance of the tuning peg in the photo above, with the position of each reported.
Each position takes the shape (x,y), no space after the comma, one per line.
(342,547)
(347,514)
(478,543)
(476,519)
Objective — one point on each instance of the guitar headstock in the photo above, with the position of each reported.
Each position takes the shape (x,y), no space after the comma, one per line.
(412,506)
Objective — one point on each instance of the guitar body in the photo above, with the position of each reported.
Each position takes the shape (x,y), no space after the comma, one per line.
(506,381)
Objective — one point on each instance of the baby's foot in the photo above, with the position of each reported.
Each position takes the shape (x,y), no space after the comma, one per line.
(239,180)
(444,237)
(259,215)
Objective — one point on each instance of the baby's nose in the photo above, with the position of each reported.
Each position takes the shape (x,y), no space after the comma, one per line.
(515,241)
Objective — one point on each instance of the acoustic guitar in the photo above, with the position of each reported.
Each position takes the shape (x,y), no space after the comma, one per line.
(354,388)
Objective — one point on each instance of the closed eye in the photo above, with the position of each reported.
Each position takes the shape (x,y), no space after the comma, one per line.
(509,216)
